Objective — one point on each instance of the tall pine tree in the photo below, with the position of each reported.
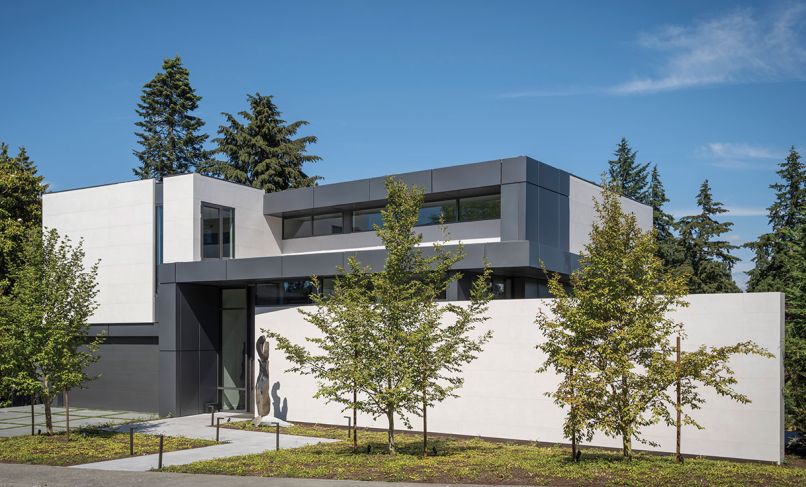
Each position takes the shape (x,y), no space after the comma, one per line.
(708,259)
(262,151)
(780,266)
(170,136)
(627,174)
(21,189)
(667,248)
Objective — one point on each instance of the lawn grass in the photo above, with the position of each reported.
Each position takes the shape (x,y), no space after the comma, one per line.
(86,446)
(486,462)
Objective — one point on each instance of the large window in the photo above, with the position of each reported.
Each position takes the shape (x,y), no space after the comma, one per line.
(218,232)
(480,208)
(363,220)
(289,292)
(297,227)
(328,224)
(431,213)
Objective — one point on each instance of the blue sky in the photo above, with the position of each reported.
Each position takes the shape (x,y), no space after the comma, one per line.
(703,89)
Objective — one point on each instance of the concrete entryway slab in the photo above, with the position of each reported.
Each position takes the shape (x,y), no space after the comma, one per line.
(234,442)
(16,421)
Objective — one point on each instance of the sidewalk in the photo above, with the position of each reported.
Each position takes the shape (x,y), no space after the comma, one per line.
(234,443)
(41,475)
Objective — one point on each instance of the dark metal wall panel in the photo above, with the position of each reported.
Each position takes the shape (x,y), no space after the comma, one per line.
(168,382)
(132,330)
(310,264)
(421,179)
(128,378)
(254,268)
(188,397)
(341,193)
(513,211)
(290,200)
(552,178)
(166,315)
(203,270)
(466,176)
(166,273)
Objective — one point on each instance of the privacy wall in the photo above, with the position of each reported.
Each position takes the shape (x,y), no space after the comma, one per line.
(503,397)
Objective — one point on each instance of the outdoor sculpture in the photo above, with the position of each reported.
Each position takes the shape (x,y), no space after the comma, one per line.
(262,385)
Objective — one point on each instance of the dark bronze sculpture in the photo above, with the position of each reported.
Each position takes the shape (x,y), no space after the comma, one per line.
(262,386)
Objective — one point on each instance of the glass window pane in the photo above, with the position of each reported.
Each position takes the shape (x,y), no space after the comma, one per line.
(328,224)
(430,213)
(328,285)
(268,294)
(233,358)
(363,220)
(210,232)
(233,298)
(297,227)
(480,208)
(501,287)
(297,292)
(227,241)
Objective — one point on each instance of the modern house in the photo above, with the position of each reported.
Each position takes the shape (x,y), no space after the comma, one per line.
(184,262)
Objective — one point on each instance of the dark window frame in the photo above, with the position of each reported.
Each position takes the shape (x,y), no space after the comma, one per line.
(220,209)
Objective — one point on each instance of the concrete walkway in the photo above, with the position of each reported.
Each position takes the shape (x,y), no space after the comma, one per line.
(41,475)
(16,421)
(234,442)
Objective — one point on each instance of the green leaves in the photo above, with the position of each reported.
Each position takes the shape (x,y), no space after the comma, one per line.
(262,151)
(382,332)
(170,138)
(629,176)
(610,340)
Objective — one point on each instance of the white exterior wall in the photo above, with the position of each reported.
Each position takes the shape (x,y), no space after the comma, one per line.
(182,198)
(582,213)
(503,397)
(117,225)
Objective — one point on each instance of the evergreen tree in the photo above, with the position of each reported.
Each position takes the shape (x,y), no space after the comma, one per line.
(610,340)
(775,250)
(262,151)
(627,174)
(170,138)
(668,247)
(780,266)
(708,260)
(21,190)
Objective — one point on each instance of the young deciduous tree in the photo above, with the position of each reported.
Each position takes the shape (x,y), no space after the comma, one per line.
(170,138)
(43,321)
(707,258)
(627,174)
(263,152)
(610,339)
(21,190)
(376,328)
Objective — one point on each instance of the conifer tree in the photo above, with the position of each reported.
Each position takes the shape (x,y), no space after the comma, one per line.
(668,248)
(627,174)
(262,151)
(610,340)
(21,190)
(795,337)
(708,259)
(170,136)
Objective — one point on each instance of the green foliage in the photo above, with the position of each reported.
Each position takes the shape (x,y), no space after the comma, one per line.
(44,320)
(477,461)
(86,446)
(262,152)
(668,246)
(707,259)
(383,334)
(21,190)
(628,175)
(610,341)
(795,335)
(169,136)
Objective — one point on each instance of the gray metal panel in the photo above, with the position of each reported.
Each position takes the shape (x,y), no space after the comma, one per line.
(533,225)
(289,200)
(133,330)
(549,217)
(311,264)
(127,379)
(208,378)
(98,330)
(565,223)
(205,270)
(341,193)
(554,259)
(474,257)
(508,254)
(167,315)
(254,268)
(166,273)
(466,176)
(422,179)
(375,259)
(188,380)
(519,170)
(513,211)
(552,178)
(168,383)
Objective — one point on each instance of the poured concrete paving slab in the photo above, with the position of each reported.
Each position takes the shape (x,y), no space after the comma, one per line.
(16,421)
(234,443)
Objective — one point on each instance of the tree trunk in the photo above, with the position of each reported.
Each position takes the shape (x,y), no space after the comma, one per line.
(46,400)
(355,420)
(390,416)
(425,428)
(67,413)
(626,442)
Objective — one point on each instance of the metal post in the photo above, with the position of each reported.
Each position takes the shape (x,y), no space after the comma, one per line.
(212,415)
(349,426)
(217,427)
(131,441)
(159,465)
(277,436)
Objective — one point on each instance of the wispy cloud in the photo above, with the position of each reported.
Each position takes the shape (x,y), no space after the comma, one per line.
(742,46)
(733,211)
(738,156)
